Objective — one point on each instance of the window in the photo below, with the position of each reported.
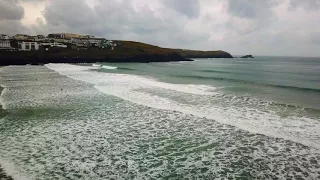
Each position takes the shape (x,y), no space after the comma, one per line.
(27,45)
(19,46)
(33,46)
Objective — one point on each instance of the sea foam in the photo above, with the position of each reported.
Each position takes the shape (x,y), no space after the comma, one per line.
(10,170)
(108,67)
(96,65)
(80,132)
(199,100)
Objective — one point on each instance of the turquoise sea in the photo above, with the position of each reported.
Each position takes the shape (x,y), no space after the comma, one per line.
(208,119)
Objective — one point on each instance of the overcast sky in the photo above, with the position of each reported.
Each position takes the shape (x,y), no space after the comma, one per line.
(259,27)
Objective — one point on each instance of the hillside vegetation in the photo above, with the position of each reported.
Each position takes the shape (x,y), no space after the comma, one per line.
(203,54)
(125,51)
(137,47)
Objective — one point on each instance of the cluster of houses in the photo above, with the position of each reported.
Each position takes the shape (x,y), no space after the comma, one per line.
(23,42)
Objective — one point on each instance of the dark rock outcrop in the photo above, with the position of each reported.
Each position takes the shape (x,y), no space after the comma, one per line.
(247,56)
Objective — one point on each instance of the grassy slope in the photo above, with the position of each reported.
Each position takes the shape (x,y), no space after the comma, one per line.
(125,51)
(202,54)
(138,47)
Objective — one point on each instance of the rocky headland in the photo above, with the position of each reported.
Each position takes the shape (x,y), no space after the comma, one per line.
(126,51)
(203,54)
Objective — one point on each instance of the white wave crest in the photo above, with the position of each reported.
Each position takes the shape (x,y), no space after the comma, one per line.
(130,81)
(96,65)
(109,67)
(10,170)
(69,67)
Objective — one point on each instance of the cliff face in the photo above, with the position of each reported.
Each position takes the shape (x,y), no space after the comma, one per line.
(125,51)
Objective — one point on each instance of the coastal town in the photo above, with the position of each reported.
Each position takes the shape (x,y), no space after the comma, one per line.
(22,49)
(24,42)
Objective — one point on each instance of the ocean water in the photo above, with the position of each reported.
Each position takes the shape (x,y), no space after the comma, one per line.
(208,119)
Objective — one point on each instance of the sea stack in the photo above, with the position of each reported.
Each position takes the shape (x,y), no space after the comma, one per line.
(247,56)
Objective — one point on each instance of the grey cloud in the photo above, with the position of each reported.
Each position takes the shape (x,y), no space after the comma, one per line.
(143,22)
(10,10)
(251,9)
(12,27)
(314,38)
(10,15)
(241,8)
(190,8)
(306,4)
(248,16)
(112,19)
(74,13)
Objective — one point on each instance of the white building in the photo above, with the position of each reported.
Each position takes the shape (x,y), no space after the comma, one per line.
(111,43)
(3,36)
(61,40)
(87,41)
(79,41)
(96,40)
(54,44)
(28,46)
(4,44)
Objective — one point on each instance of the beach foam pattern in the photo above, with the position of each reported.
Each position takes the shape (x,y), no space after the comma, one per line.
(253,115)
(82,133)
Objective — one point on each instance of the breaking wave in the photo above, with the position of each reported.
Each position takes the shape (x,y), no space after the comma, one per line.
(108,67)
(202,101)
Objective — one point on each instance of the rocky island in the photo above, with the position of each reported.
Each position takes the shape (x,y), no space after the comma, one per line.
(247,56)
